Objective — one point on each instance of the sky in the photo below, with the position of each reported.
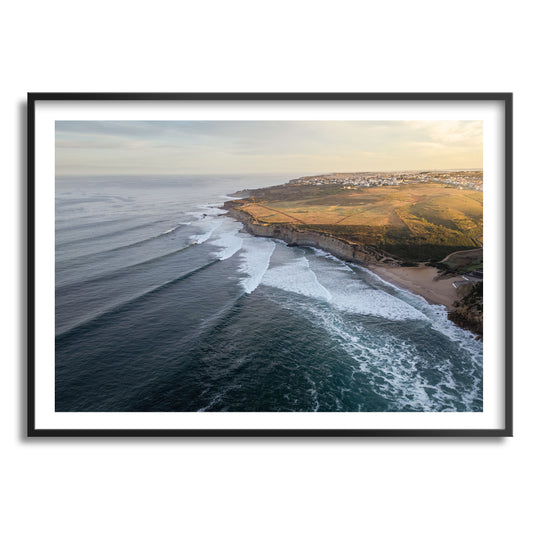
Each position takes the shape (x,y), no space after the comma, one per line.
(235,147)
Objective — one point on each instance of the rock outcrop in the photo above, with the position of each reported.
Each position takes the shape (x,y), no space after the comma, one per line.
(468,309)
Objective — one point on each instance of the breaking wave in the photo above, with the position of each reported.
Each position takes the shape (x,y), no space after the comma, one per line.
(199,239)
(337,285)
(255,260)
(230,243)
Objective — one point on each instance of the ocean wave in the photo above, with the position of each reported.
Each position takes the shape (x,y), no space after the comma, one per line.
(230,243)
(255,260)
(199,239)
(123,247)
(226,197)
(116,272)
(208,210)
(393,368)
(68,224)
(92,237)
(437,315)
(388,365)
(88,322)
(170,230)
(325,281)
(298,278)
(321,253)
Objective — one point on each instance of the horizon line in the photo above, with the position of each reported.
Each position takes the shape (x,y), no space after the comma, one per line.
(321,173)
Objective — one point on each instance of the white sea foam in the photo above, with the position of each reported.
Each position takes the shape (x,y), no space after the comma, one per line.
(439,322)
(437,316)
(318,276)
(354,297)
(397,300)
(170,230)
(226,197)
(204,211)
(218,398)
(325,281)
(199,239)
(255,259)
(381,360)
(314,393)
(230,243)
(213,209)
(390,366)
(297,277)
(321,253)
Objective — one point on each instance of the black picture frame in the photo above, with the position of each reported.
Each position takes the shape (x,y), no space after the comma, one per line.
(505,98)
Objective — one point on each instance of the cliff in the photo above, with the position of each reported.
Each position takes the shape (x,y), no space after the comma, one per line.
(466,312)
(294,236)
(468,309)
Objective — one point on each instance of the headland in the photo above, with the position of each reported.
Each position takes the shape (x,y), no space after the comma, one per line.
(420,231)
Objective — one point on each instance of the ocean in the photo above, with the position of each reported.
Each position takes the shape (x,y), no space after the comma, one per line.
(163,303)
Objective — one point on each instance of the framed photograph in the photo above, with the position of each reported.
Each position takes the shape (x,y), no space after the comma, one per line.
(271,264)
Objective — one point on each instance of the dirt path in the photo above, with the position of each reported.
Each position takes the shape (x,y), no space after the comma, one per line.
(459,252)
(282,213)
(353,214)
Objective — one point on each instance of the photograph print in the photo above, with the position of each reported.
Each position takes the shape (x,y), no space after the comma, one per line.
(313,267)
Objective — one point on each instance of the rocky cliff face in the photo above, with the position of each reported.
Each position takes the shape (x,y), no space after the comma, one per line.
(468,309)
(294,236)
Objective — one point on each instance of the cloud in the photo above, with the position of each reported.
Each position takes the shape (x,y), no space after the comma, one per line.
(264,146)
(449,132)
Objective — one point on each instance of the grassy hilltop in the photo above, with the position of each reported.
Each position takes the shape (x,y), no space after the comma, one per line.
(413,222)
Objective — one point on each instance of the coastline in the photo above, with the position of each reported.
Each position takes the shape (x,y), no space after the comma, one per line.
(421,280)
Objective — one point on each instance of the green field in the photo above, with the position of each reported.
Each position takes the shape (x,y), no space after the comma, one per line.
(415,222)
(464,261)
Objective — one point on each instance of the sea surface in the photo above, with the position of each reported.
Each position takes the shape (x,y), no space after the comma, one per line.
(163,303)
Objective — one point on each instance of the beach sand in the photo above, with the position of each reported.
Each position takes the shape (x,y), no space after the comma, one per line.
(420,280)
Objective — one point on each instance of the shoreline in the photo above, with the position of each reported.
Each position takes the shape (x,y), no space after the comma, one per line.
(420,280)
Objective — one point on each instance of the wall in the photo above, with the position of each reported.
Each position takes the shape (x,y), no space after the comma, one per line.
(113,485)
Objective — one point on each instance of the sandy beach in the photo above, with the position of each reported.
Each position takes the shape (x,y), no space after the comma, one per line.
(420,280)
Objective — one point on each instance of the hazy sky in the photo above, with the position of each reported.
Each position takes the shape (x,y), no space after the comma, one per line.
(296,147)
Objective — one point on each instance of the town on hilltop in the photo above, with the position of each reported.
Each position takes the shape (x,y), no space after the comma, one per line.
(463,179)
